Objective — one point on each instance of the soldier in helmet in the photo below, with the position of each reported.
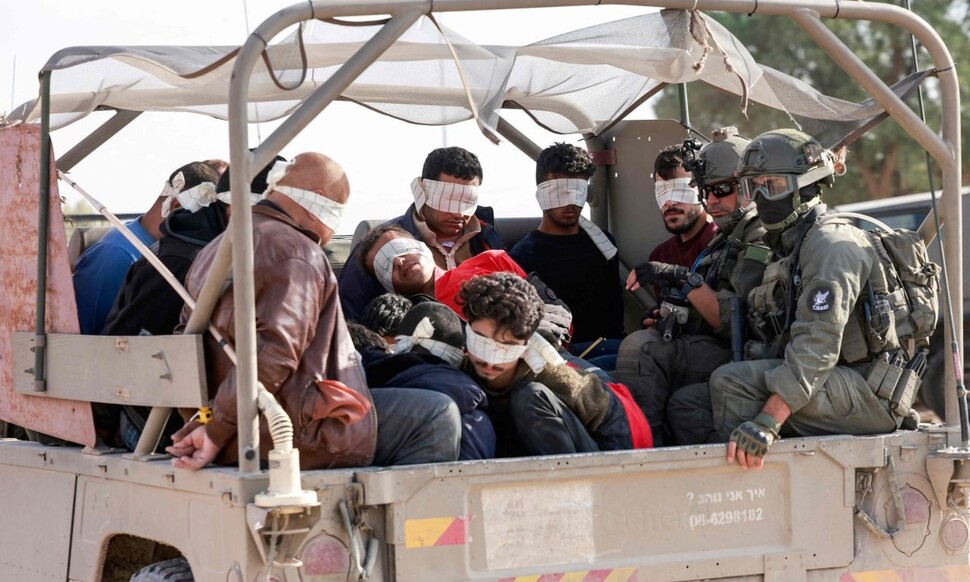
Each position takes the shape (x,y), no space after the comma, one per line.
(808,376)
(652,365)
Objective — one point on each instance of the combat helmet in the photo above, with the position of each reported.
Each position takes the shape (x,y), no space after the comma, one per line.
(779,164)
(720,157)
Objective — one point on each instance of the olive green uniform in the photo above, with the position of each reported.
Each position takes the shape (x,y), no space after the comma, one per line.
(653,369)
(825,394)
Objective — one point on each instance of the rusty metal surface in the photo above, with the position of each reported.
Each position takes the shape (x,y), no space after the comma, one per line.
(19,177)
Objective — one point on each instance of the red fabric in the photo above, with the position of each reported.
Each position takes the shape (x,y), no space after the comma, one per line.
(640,433)
(447,286)
(676,252)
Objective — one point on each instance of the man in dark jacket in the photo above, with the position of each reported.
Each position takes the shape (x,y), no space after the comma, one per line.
(445,215)
(428,350)
(147,303)
(538,404)
(305,355)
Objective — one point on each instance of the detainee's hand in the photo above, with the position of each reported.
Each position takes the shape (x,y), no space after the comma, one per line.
(193,450)
(631,281)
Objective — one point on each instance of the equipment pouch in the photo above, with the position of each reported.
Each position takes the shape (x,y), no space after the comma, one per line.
(879,373)
(905,392)
(854,347)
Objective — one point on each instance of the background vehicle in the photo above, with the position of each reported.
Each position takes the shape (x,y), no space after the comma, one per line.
(833,508)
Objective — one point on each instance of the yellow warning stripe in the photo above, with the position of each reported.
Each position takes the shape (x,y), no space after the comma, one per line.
(423,533)
(436,531)
(958,573)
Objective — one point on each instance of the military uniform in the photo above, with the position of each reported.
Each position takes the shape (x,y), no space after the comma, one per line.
(826,393)
(731,264)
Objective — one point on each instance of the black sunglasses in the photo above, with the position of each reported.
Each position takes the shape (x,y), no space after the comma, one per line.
(718,190)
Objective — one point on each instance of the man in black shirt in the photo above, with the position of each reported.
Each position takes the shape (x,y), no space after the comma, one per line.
(573,256)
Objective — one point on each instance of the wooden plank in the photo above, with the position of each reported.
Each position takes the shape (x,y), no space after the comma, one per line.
(165,370)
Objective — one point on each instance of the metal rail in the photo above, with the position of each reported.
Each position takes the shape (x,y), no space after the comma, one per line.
(945,149)
(806,13)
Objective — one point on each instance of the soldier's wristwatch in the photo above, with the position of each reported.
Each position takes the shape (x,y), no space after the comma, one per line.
(694,280)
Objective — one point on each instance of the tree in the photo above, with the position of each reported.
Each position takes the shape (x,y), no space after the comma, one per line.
(884,162)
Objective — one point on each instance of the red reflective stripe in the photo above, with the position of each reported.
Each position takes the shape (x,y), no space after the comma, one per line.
(454,535)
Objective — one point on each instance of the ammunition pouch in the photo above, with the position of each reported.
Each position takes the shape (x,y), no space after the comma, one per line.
(767,303)
(891,380)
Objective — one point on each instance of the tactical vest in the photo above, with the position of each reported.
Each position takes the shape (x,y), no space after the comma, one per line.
(898,306)
(721,255)
(719,259)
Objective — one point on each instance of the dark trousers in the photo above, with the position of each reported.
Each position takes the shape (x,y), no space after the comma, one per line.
(654,369)
(415,426)
(543,425)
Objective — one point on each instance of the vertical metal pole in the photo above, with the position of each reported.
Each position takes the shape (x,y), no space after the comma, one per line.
(955,359)
(684,105)
(40,335)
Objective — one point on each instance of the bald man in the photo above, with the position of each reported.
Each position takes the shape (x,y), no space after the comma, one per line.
(305,355)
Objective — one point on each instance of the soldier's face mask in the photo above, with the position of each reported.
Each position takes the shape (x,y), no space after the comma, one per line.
(771,188)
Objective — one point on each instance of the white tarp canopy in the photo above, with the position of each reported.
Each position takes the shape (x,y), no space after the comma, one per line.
(578,82)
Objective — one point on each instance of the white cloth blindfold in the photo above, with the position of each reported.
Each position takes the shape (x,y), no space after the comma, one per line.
(537,352)
(676,190)
(396,247)
(422,337)
(445,196)
(324,209)
(573,191)
(170,192)
(562,192)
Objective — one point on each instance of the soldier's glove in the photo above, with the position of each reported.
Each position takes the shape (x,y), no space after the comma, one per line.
(755,436)
(654,272)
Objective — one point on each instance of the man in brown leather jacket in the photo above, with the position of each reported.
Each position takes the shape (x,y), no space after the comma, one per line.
(305,355)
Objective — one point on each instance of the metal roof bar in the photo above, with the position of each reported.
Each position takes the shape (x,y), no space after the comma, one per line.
(96,139)
(945,153)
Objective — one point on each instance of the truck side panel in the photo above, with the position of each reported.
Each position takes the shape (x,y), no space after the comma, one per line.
(35,539)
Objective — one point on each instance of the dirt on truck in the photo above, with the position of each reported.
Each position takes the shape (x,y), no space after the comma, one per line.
(834,508)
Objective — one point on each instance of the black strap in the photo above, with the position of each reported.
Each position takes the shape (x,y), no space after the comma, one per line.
(794,271)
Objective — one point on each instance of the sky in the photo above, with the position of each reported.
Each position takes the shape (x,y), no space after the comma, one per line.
(381,155)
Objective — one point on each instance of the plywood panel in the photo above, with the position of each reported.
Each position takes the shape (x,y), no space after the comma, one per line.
(141,370)
(20,169)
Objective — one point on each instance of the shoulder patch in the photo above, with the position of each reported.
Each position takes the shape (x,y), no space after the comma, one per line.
(821,299)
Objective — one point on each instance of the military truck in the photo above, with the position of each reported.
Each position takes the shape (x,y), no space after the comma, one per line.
(840,508)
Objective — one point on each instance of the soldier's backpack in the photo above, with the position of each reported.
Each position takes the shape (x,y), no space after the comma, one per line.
(908,269)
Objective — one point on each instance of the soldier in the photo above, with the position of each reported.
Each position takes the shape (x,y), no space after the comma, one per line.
(654,366)
(812,378)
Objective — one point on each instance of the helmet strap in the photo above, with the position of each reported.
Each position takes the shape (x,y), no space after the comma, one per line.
(799,207)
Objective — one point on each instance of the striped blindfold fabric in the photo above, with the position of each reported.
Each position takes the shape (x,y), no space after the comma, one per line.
(396,247)
(326,210)
(445,196)
(537,352)
(676,190)
(573,191)
(422,337)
